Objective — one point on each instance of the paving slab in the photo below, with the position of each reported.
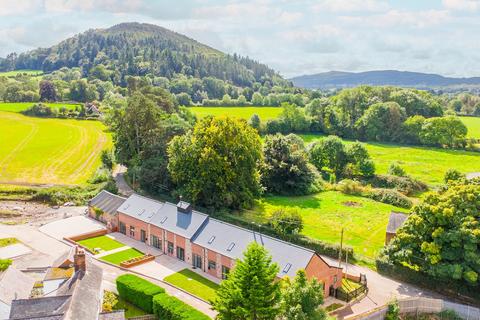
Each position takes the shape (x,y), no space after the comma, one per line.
(14,250)
(71,227)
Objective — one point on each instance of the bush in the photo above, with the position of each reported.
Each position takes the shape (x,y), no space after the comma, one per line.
(396,170)
(350,187)
(138,291)
(168,307)
(392,197)
(4,264)
(453,175)
(286,221)
(393,311)
(40,110)
(405,185)
(107,159)
(101,175)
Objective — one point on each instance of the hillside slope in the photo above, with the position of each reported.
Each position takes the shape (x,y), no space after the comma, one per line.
(337,79)
(141,49)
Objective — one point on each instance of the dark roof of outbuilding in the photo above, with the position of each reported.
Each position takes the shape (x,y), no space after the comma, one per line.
(231,241)
(395,221)
(165,215)
(40,308)
(107,202)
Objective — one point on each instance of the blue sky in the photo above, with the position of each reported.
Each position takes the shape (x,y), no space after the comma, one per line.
(293,36)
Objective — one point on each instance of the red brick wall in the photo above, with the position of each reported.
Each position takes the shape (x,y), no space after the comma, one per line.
(213,257)
(324,273)
(156,231)
(129,221)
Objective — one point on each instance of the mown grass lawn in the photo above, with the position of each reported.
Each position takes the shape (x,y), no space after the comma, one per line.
(192,282)
(49,151)
(325,213)
(104,243)
(473,125)
(426,164)
(265,113)
(119,257)
(22,106)
(17,72)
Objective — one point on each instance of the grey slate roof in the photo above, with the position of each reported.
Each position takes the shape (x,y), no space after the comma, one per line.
(395,221)
(164,215)
(114,315)
(231,241)
(107,202)
(41,308)
(14,283)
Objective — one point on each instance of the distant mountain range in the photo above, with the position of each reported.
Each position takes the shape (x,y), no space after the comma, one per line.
(337,79)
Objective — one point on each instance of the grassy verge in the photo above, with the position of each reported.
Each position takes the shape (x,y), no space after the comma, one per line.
(194,283)
(119,257)
(104,243)
(7,241)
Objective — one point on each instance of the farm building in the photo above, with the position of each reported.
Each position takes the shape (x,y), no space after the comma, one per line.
(395,222)
(212,245)
(103,207)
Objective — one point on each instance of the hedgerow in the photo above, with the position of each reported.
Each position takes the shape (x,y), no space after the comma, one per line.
(138,291)
(168,307)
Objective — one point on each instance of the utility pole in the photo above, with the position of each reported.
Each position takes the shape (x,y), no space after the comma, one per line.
(341,249)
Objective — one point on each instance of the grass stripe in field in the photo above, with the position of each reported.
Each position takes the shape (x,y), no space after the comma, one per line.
(265,113)
(22,106)
(49,151)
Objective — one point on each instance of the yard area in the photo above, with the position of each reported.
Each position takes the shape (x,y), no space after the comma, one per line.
(119,257)
(105,243)
(473,125)
(424,163)
(192,282)
(324,214)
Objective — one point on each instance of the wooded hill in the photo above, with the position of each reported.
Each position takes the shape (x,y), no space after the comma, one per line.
(142,49)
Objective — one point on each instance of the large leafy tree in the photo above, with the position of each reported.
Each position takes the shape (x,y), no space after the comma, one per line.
(216,164)
(286,169)
(381,122)
(47,91)
(251,291)
(329,153)
(442,235)
(301,298)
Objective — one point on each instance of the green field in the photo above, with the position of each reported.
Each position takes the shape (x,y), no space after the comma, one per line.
(426,164)
(22,106)
(473,125)
(265,113)
(16,72)
(104,243)
(194,283)
(119,257)
(325,213)
(49,151)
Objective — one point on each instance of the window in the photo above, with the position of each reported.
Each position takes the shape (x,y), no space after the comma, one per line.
(197,261)
(170,247)
(230,246)
(180,253)
(211,240)
(155,242)
(225,272)
(122,227)
(212,265)
(143,236)
(132,231)
(287,268)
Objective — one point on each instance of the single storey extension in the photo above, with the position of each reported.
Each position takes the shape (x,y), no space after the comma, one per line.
(213,245)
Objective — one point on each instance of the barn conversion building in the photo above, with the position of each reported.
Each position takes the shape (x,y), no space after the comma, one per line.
(210,244)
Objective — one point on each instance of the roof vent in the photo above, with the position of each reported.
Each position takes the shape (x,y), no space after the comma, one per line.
(211,240)
(184,207)
(230,246)
(287,268)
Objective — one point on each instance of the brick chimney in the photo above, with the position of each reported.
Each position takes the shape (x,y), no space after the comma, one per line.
(79,260)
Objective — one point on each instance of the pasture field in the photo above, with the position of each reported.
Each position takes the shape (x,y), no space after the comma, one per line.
(424,163)
(22,106)
(49,151)
(473,125)
(325,213)
(25,71)
(265,113)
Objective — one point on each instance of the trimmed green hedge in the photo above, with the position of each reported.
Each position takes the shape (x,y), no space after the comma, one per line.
(168,307)
(138,291)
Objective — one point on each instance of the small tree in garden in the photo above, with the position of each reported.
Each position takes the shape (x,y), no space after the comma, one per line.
(393,311)
(286,221)
(255,122)
(396,170)
(250,292)
(302,299)
(453,175)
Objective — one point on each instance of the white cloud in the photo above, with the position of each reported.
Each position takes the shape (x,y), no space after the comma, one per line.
(351,5)
(462,5)
(401,18)
(19,7)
